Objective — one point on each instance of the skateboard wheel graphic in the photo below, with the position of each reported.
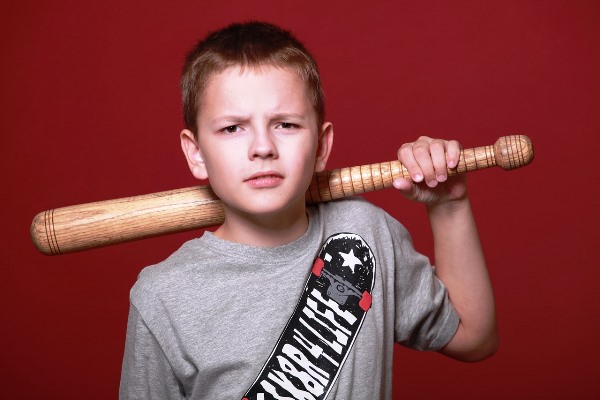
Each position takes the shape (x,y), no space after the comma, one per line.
(365,301)
(318,266)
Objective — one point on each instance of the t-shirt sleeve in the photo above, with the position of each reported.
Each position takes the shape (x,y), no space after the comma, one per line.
(146,372)
(424,317)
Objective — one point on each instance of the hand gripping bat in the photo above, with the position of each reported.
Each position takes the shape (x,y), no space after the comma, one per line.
(86,226)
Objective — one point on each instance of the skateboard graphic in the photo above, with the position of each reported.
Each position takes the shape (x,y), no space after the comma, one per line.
(317,339)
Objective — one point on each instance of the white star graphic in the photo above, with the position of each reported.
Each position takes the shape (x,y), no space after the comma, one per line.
(350,260)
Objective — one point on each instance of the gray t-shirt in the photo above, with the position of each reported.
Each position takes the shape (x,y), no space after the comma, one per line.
(203,322)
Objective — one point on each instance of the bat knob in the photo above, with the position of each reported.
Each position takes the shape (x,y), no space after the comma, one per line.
(513,151)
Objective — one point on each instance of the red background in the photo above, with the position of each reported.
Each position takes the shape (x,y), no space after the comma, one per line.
(91,111)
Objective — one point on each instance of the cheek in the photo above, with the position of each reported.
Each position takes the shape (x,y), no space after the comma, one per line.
(304,158)
(216,167)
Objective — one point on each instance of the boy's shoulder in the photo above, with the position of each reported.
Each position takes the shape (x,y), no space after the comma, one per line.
(355,209)
(356,213)
(352,204)
(162,276)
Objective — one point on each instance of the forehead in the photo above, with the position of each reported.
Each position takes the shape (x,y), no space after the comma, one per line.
(257,86)
(238,75)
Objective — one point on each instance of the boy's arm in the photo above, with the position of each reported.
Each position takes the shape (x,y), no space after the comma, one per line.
(146,374)
(459,259)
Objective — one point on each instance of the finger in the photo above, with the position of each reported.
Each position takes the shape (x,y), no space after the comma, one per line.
(402,184)
(422,154)
(453,153)
(406,187)
(407,158)
(437,148)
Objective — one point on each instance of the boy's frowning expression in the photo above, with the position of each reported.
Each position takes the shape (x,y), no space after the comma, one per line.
(258,139)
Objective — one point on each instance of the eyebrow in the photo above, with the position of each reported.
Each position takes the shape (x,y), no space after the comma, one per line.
(230,118)
(285,115)
(234,118)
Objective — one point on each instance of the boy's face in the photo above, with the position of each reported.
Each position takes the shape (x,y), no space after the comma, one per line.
(259,141)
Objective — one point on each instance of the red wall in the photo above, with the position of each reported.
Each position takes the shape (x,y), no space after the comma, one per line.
(91,112)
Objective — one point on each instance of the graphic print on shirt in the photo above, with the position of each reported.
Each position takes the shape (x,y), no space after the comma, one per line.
(313,347)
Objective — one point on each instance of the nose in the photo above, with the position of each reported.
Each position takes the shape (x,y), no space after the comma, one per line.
(263,145)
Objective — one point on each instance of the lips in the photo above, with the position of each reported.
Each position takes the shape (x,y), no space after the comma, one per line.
(264,179)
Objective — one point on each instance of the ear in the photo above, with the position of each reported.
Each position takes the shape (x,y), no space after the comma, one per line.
(193,154)
(324,145)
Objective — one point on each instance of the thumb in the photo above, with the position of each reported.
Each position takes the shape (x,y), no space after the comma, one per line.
(406,187)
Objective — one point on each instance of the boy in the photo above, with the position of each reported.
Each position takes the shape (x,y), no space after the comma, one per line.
(221,319)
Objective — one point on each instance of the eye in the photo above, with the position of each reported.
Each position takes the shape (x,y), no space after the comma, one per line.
(230,129)
(287,125)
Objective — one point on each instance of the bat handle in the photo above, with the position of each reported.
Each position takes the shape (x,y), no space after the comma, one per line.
(509,152)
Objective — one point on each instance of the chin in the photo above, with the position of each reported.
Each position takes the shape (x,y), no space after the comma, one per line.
(274,206)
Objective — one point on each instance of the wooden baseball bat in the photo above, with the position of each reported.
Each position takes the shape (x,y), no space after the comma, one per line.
(85,226)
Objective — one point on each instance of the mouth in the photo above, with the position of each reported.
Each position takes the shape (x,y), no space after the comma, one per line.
(264,179)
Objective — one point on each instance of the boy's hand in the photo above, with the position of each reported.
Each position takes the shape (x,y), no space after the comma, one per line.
(427,161)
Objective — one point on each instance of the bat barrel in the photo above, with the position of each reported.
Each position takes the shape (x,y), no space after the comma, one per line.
(86,226)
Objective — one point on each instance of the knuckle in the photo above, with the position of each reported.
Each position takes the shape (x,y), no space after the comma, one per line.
(438,142)
(420,150)
(405,150)
(455,146)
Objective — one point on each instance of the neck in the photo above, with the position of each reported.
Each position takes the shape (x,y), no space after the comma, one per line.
(265,230)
